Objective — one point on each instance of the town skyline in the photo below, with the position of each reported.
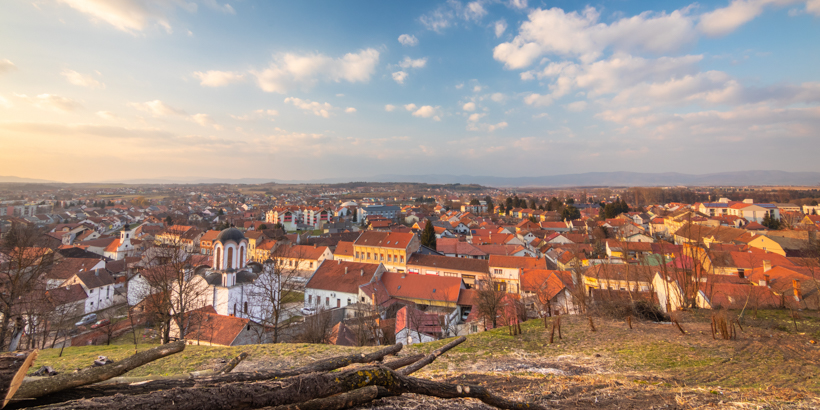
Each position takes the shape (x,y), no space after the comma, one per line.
(229,89)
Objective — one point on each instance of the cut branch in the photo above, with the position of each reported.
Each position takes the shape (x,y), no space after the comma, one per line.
(13,368)
(432,356)
(337,402)
(42,387)
(230,365)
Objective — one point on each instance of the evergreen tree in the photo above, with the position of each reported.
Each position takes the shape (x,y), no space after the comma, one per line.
(428,236)
(533,205)
(489,201)
(570,213)
(168,220)
(475,201)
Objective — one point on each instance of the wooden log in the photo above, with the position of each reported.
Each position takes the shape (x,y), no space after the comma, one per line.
(337,402)
(172,382)
(13,368)
(683,332)
(559,328)
(552,333)
(42,387)
(230,365)
(404,361)
(432,356)
(293,390)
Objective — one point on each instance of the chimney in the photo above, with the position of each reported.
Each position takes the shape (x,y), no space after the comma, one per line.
(339,262)
(766,279)
(741,274)
(345,270)
(362,274)
(96,272)
(314,246)
(767,266)
(796,285)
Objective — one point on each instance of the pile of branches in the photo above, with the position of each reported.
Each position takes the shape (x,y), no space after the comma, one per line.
(316,386)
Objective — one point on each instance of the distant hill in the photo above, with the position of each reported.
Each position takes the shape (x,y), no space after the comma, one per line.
(13,179)
(738,178)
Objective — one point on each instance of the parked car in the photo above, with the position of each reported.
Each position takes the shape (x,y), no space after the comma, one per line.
(101,323)
(307,311)
(87,319)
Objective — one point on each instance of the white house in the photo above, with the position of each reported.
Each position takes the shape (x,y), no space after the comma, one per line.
(335,283)
(98,284)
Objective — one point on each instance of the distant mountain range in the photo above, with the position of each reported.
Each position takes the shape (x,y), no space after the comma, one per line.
(4,179)
(589,179)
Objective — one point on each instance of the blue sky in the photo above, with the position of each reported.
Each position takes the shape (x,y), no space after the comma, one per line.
(96,90)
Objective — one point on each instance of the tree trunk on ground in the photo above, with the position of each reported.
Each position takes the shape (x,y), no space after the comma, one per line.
(13,368)
(297,390)
(42,387)
(325,365)
(337,402)
(233,363)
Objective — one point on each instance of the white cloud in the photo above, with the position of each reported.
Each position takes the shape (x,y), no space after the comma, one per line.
(498,97)
(500,27)
(459,86)
(290,69)
(437,20)
(6,66)
(106,115)
(350,110)
(538,100)
(158,108)
(556,32)
(410,107)
(389,107)
(813,6)
(739,12)
(425,111)
(498,126)
(319,109)
(399,76)
(408,40)
(470,106)
(477,89)
(51,102)
(518,4)
(577,106)
(474,11)
(226,8)
(82,80)
(474,126)
(205,120)
(475,117)
(410,63)
(214,78)
(256,114)
(130,15)
(4,102)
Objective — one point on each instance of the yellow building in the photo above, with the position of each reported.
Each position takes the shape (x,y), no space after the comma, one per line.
(389,248)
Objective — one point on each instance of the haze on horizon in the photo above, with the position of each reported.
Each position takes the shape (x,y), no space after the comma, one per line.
(98,90)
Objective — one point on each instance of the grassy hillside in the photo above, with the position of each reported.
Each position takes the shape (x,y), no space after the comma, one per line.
(771,363)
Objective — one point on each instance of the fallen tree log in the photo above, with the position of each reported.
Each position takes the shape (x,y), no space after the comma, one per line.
(172,382)
(42,387)
(337,402)
(404,361)
(293,390)
(432,356)
(13,368)
(230,365)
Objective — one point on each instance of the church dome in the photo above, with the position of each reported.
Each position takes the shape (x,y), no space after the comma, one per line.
(230,234)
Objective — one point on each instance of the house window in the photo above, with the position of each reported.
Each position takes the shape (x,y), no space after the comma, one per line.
(246,308)
(311,265)
(357,255)
(381,257)
(497,271)
(501,286)
(327,301)
(389,258)
(368,255)
(402,258)
(310,299)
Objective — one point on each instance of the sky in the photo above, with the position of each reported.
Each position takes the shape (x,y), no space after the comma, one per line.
(108,90)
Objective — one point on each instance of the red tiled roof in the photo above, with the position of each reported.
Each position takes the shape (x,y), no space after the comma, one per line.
(426,287)
(344,248)
(521,262)
(330,275)
(397,240)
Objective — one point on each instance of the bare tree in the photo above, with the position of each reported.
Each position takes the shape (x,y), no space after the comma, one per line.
(171,290)
(25,258)
(278,282)
(317,328)
(490,300)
